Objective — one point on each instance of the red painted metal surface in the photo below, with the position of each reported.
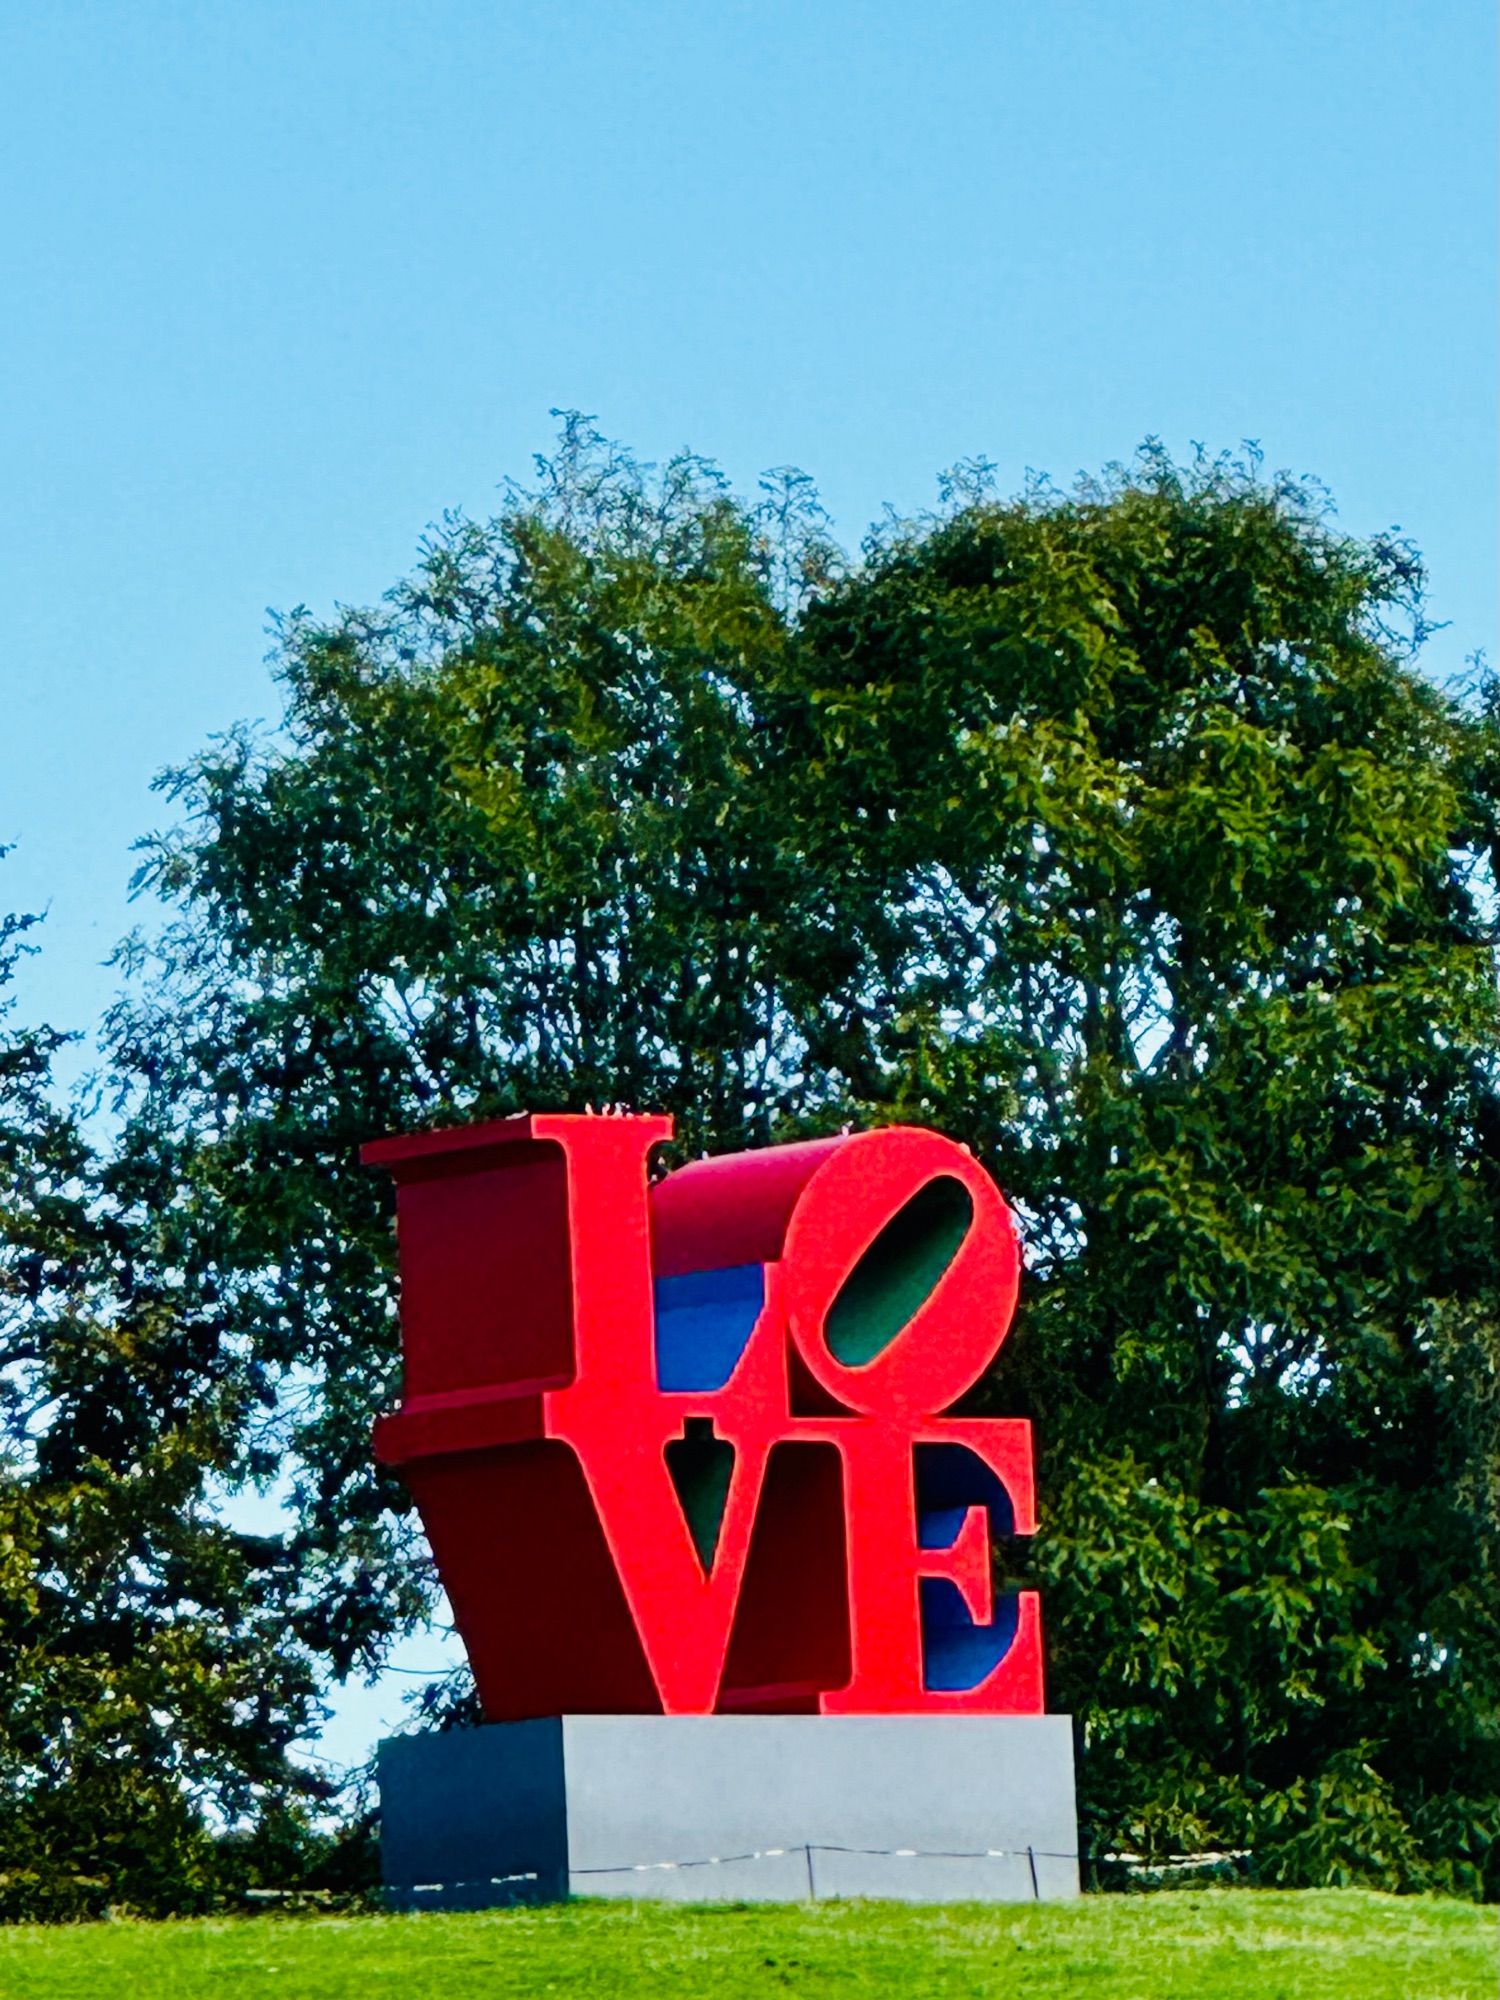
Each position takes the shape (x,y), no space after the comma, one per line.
(682,1448)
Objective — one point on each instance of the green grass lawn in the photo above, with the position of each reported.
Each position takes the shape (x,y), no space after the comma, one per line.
(1242,1944)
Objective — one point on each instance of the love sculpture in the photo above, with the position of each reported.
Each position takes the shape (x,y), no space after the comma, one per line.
(679,1448)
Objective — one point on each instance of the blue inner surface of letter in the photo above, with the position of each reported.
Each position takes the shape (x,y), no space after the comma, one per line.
(957,1654)
(703,1323)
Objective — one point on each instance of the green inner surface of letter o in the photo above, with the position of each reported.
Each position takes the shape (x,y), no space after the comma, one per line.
(898,1271)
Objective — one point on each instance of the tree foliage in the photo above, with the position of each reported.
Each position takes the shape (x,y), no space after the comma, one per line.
(1164,863)
(145,1704)
(1115,832)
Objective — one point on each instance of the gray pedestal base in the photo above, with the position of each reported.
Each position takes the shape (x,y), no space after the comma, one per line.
(765,1808)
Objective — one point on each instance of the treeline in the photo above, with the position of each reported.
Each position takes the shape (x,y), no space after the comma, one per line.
(1116,832)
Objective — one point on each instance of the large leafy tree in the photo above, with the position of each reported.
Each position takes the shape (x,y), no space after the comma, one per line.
(1114,832)
(1169,878)
(515,847)
(146,1700)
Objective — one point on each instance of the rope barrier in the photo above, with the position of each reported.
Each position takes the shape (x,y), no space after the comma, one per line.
(840,1847)
(807,1849)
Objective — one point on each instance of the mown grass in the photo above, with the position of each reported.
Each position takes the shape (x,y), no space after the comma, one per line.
(1217,1945)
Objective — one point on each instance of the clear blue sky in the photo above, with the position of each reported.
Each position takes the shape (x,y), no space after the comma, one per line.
(282,281)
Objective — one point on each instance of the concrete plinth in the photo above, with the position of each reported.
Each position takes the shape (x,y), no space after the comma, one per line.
(766,1808)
